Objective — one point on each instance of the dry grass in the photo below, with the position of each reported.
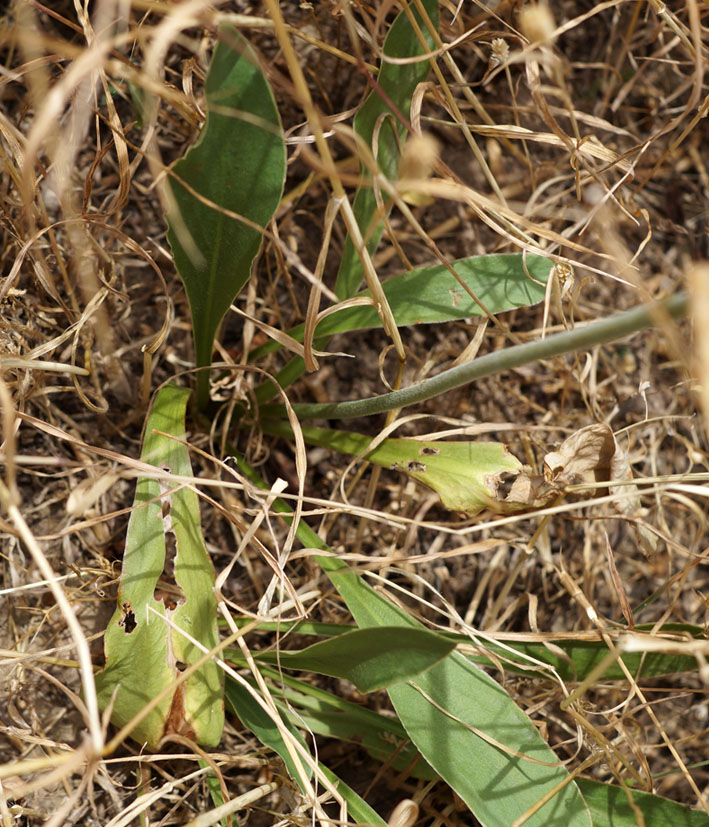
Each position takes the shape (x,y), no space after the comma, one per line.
(595,143)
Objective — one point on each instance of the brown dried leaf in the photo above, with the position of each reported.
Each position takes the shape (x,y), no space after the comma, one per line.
(523,489)
(586,456)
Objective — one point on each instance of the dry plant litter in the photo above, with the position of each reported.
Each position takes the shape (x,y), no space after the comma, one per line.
(577,130)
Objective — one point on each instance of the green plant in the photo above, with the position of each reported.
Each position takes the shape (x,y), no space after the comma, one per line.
(225,190)
(147,643)
(454,721)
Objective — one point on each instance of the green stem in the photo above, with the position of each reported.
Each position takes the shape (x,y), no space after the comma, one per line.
(580,338)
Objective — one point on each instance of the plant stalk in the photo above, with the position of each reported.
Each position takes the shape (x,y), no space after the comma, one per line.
(581,338)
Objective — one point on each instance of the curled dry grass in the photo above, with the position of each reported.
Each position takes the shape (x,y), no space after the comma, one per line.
(580,130)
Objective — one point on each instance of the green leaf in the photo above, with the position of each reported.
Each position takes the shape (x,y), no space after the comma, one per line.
(463,474)
(215,792)
(497,786)
(449,713)
(238,164)
(373,609)
(143,654)
(431,295)
(331,716)
(240,701)
(371,658)
(573,660)
(254,718)
(357,808)
(397,82)
(382,736)
(610,808)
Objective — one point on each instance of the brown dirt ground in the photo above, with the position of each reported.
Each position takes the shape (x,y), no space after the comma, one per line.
(85,224)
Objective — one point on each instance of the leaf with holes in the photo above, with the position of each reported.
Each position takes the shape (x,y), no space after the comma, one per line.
(467,476)
(166,588)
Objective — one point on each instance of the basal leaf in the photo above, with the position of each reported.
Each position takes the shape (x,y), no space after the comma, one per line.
(610,808)
(370,658)
(461,473)
(602,803)
(573,660)
(253,716)
(396,83)
(450,712)
(250,713)
(431,295)
(384,738)
(464,474)
(331,716)
(215,790)
(237,165)
(143,654)
(357,808)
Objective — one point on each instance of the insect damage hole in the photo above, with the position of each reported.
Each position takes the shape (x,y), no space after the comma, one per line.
(127,619)
(429,451)
(167,589)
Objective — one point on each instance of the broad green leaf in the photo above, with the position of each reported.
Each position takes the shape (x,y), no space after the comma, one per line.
(497,786)
(143,654)
(396,85)
(371,658)
(431,295)
(382,736)
(240,701)
(374,609)
(463,474)
(572,659)
(447,711)
(610,808)
(238,165)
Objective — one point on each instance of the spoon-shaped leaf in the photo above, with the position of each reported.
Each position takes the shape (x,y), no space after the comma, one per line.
(467,476)
(145,655)
(236,168)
